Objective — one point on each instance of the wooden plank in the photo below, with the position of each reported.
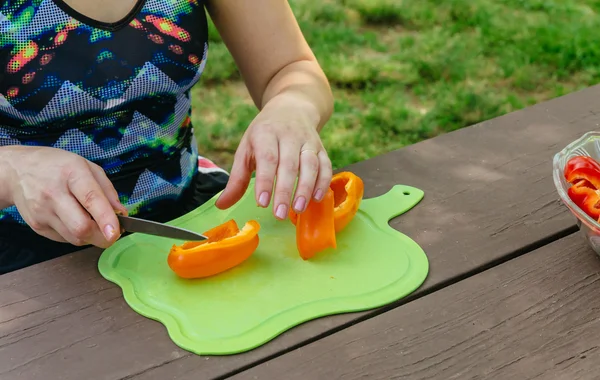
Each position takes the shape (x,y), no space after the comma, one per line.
(489,195)
(532,317)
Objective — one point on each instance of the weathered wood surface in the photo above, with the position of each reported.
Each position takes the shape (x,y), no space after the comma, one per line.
(489,197)
(534,317)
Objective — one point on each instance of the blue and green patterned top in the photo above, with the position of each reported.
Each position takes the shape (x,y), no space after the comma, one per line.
(117,94)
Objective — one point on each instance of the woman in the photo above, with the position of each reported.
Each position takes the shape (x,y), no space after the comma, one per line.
(94,117)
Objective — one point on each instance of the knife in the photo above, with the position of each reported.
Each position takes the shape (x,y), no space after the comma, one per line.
(131,224)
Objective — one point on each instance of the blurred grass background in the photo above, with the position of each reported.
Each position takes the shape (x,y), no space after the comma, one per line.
(407,70)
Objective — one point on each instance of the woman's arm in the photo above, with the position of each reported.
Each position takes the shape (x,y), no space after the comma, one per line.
(292,92)
(274,59)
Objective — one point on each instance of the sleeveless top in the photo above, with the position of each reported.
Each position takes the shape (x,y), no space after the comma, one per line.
(117,94)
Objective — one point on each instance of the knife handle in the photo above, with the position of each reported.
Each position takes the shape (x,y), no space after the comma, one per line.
(121,229)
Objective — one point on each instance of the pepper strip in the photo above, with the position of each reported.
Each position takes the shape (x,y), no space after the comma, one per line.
(348,190)
(583,168)
(226,247)
(583,173)
(315,228)
(584,195)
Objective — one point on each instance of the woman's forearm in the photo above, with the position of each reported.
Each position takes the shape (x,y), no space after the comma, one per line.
(305,84)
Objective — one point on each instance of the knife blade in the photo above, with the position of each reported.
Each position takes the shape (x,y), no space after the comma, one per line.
(131,224)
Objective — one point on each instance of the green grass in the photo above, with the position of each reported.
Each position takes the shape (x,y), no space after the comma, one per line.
(405,70)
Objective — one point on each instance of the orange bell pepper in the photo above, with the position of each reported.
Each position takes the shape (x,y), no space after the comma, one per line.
(348,190)
(315,229)
(226,247)
(293,216)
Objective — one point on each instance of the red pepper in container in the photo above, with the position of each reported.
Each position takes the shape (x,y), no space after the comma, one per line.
(584,175)
(586,198)
(583,168)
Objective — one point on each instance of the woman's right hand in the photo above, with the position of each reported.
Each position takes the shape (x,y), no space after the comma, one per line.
(61,195)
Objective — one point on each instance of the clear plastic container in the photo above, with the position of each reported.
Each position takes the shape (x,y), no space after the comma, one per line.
(586,145)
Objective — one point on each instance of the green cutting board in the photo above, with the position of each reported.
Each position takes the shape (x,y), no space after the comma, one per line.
(274,290)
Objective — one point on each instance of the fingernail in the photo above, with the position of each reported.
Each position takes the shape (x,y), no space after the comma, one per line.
(318,195)
(263,200)
(109,232)
(281,212)
(300,204)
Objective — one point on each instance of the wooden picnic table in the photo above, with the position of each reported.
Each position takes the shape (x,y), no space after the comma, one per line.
(513,290)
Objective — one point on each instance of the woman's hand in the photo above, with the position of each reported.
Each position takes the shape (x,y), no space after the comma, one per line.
(61,195)
(282,144)
(286,82)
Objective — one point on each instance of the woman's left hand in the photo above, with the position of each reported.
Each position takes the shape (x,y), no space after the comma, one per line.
(282,144)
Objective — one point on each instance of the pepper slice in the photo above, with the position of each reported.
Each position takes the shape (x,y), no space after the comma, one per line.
(585,195)
(583,168)
(583,173)
(315,228)
(226,247)
(579,191)
(348,190)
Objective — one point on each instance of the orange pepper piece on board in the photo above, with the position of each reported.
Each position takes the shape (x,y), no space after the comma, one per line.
(315,229)
(226,247)
(293,216)
(348,190)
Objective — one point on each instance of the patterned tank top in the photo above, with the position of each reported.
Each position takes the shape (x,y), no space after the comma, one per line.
(117,94)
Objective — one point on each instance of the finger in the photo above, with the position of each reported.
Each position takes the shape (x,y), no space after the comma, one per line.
(59,227)
(309,169)
(51,234)
(40,224)
(108,189)
(90,195)
(324,177)
(77,226)
(267,160)
(238,181)
(42,227)
(287,172)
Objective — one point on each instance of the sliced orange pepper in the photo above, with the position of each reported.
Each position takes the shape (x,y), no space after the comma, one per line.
(348,190)
(293,216)
(315,228)
(226,247)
